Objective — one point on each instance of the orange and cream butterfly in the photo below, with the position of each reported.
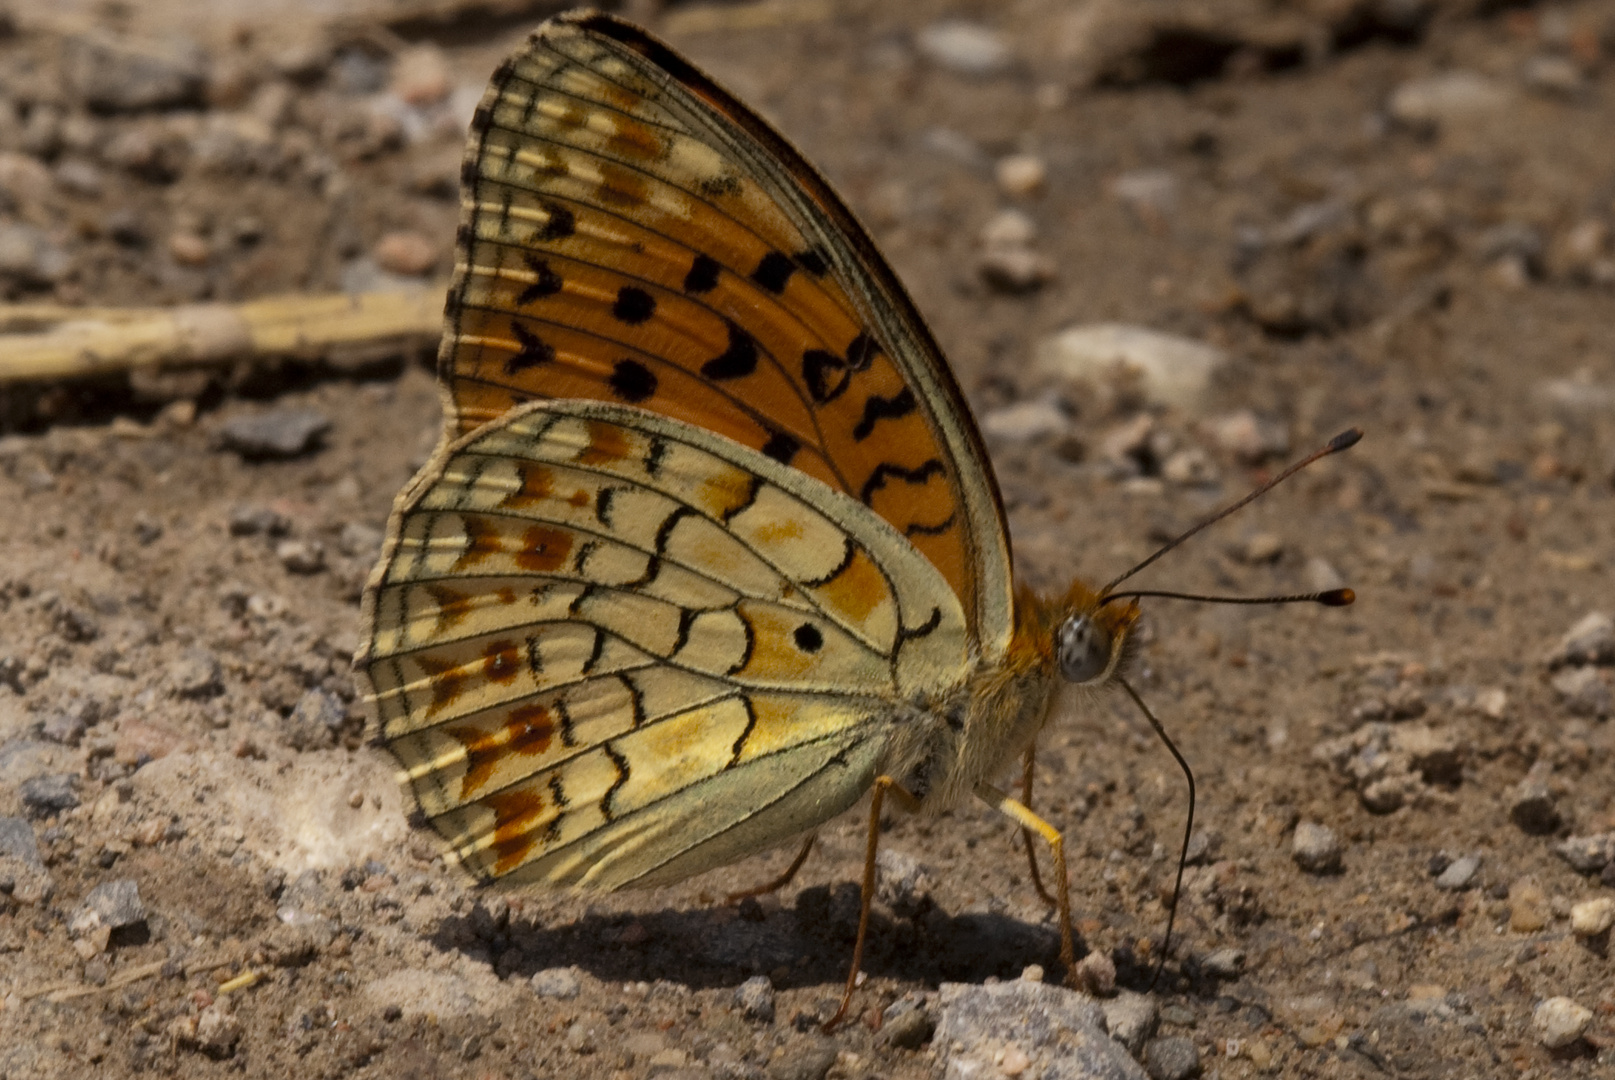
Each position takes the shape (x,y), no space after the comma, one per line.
(712,545)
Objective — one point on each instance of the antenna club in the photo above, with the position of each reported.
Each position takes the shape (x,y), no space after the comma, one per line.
(1337,598)
(1344,441)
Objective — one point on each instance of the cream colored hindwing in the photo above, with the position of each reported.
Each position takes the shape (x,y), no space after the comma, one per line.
(609,648)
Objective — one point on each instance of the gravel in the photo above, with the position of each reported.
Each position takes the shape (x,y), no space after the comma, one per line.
(1132,1019)
(1170,370)
(1060,1031)
(1459,874)
(1172,1058)
(560,983)
(113,904)
(964,48)
(49,794)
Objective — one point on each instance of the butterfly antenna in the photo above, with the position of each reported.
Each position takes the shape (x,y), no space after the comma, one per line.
(1345,440)
(1188,828)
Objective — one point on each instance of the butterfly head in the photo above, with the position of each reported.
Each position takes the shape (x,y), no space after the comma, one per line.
(1093,640)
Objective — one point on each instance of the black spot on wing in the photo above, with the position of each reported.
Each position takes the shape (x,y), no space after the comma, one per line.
(735,362)
(534,350)
(632,381)
(813,261)
(559,224)
(774,271)
(808,638)
(782,447)
(877,408)
(633,306)
(703,275)
(886,471)
(828,375)
(547,283)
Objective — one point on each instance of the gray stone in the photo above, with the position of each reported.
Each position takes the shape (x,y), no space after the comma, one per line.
(1315,848)
(112,904)
(278,433)
(360,541)
(1061,1031)
(1582,690)
(1223,963)
(28,255)
(253,520)
(316,721)
(196,674)
(908,1030)
(811,1063)
(1531,804)
(301,556)
(1590,641)
(903,884)
(561,983)
(1459,874)
(217,1031)
(126,74)
(49,794)
(1588,854)
(1015,270)
(1131,1019)
(23,876)
(755,999)
(964,47)
(1172,1058)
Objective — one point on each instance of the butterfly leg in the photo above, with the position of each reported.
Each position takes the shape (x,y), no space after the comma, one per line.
(1026,833)
(883,784)
(781,881)
(1030,822)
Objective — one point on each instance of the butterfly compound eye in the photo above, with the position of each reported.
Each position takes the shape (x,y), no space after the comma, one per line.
(1084,649)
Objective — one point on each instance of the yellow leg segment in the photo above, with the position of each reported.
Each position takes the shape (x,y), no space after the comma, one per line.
(779,882)
(883,784)
(1026,834)
(1029,821)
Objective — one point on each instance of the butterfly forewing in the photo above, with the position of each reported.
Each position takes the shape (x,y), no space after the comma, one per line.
(633,234)
(610,648)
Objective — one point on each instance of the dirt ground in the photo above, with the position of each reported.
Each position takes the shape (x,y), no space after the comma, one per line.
(1398,214)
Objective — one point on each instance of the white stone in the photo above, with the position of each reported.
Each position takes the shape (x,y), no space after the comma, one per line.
(1025,421)
(1452,95)
(1020,175)
(1559,1021)
(964,47)
(1008,228)
(1592,917)
(1170,370)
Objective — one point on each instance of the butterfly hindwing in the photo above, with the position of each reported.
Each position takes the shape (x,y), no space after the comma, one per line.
(631,233)
(611,648)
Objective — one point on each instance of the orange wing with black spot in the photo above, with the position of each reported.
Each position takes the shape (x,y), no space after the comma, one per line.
(631,233)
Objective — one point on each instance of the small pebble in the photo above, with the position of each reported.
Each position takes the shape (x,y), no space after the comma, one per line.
(561,983)
(1015,270)
(217,1031)
(278,433)
(1531,805)
(1189,467)
(359,540)
(1448,96)
(1556,76)
(124,73)
(189,249)
(1151,193)
(49,794)
(195,674)
(1590,641)
(407,253)
(1032,973)
(1560,1021)
(422,75)
(1250,438)
(255,520)
(1224,963)
(1165,368)
(1026,421)
(1096,973)
(1590,918)
(1582,691)
(1589,854)
(578,1039)
(1172,1058)
(1315,848)
(301,556)
(1459,874)
(1014,1062)
(908,1030)
(1528,909)
(964,47)
(1020,175)
(755,999)
(1008,229)
(804,1063)
(113,905)
(1131,1019)
(1263,547)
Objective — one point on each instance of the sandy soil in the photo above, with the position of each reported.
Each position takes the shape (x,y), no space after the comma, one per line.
(1392,214)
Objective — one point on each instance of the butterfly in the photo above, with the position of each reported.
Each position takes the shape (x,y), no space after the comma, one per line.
(711,546)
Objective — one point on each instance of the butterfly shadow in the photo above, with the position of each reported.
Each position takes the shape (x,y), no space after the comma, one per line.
(808,944)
